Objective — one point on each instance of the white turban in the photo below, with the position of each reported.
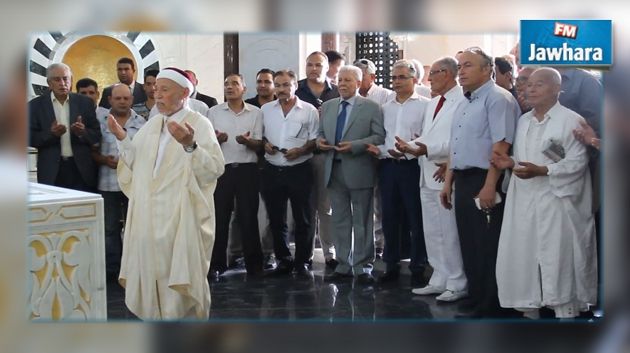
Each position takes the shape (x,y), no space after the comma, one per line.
(178,76)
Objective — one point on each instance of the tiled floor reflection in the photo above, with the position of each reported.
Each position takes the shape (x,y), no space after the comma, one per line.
(236,297)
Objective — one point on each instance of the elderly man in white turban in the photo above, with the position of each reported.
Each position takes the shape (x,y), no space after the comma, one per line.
(169,172)
(547,254)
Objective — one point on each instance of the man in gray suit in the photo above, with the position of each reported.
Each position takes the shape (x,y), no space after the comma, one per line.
(347,125)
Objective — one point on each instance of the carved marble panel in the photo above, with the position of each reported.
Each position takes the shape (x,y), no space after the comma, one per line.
(66,254)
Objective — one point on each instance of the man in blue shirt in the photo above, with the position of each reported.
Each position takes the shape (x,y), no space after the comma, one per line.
(483,123)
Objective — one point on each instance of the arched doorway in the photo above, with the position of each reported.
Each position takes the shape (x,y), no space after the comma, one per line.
(91,55)
(95,57)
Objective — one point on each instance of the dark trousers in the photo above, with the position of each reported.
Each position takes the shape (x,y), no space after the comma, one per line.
(294,183)
(400,195)
(115,204)
(69,176)
(479,239)
(240,182)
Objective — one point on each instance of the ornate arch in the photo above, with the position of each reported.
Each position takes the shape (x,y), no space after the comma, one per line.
(50,47)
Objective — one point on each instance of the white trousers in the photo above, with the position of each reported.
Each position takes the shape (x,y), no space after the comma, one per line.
(442,242)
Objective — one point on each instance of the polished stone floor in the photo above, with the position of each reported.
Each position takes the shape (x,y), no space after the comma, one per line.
(238,298)
(235,297)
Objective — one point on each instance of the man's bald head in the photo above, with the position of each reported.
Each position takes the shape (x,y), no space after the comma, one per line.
(121,99)
(121,89)
(549,74)
(543,89)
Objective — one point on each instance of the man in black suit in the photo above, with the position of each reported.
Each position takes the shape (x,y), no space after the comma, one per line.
(63,127)
(125,69)
(210,101)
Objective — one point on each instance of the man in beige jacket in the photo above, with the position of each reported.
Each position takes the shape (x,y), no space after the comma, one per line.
(169,172)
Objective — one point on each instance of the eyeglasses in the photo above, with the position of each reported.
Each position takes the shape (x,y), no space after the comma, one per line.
(432,73)
(400,77)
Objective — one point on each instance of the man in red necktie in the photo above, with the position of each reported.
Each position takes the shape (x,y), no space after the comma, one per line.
(440,229)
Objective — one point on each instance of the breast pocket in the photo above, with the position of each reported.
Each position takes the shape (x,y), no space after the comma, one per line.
(292,129)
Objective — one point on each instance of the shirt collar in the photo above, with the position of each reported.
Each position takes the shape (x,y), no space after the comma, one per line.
(414,96)
(298,103)
(225,106)
(551,112)
(350,100)
(303,84)
(454,92)
(373,88)
(135,119)
(481,90)
(54,99)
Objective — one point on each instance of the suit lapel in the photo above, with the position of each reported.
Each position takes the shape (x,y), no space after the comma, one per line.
(448,105)
(74,109)
(432,122)
(353,115)
(331,124)
(136,91)
(49,112)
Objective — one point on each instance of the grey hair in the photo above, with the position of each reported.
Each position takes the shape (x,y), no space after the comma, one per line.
(406,64)
(358,74)
(449,63)
(419,68)
(239,76)
(54,66)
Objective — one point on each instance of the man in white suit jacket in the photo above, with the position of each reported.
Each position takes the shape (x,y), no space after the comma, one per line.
(432,148)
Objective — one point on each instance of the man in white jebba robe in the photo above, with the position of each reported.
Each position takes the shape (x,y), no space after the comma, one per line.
(169,172)
(547,254)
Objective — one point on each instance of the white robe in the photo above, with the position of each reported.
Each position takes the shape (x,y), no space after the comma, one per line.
(547,254)
(170,227)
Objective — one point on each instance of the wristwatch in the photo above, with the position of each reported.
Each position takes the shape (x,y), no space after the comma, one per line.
(191,148)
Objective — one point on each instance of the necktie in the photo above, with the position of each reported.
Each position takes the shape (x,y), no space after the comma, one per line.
(341,122)
(439,106)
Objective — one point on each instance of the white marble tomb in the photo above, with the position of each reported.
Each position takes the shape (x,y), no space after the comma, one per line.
(66,255)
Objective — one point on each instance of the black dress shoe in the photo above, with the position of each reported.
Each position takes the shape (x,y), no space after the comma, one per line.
(417,279)
(332,263)
(269,263)
(389,276)
(336,276)
(237,263)
(365,279)
(283,268)
(303,271)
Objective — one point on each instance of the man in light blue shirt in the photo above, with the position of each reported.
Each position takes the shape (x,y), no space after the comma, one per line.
(483,124)
(114,201)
